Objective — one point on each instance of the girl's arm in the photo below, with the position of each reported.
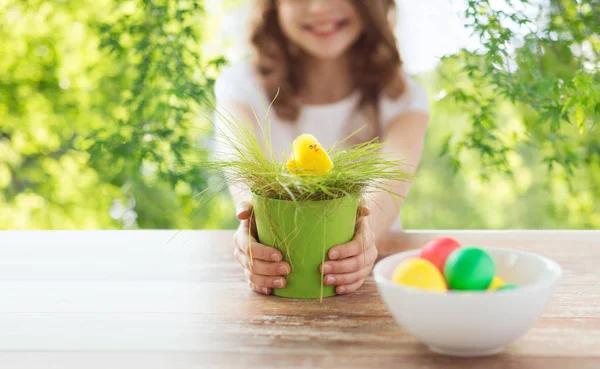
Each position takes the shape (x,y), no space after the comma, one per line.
(240,194)
(404,139)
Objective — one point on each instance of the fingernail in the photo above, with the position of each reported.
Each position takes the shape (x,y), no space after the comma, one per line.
(327,268)
(334,255)
(278,282)
(342,290)
(282,269)
(330,280)
(275,257)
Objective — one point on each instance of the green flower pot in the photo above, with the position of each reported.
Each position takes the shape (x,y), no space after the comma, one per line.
(304,232)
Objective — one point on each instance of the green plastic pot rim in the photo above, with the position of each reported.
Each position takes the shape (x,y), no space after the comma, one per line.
(304,201)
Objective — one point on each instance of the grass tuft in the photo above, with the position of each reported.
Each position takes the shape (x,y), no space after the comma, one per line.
(358,169)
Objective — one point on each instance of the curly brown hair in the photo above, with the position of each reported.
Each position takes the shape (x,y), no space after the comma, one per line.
(376,63)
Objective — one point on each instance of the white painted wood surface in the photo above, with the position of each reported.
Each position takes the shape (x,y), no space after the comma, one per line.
(166,299)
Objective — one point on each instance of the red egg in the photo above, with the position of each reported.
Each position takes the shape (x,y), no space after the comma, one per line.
(437,251)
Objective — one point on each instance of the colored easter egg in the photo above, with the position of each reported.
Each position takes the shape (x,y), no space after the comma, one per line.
(438,250)
(497,282)
(419,273)
(469,268)
(508,287)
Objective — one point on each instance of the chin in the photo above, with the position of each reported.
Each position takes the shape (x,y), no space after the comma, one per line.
(327,53)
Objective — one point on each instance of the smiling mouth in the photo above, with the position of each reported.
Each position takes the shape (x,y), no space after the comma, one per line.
(325,29)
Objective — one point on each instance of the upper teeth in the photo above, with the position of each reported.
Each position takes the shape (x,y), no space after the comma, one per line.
(324,27)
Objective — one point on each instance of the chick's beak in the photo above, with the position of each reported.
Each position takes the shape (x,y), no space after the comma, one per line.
(316,148)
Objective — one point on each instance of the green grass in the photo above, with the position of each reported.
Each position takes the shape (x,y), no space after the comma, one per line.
(358,169)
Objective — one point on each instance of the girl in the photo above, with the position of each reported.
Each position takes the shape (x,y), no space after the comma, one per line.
(337,68)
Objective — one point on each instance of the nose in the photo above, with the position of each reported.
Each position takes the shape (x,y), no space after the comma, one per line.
(319,6)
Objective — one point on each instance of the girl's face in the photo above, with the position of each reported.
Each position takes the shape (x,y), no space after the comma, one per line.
(321,28)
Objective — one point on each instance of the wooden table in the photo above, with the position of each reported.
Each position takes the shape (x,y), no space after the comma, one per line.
(140,299)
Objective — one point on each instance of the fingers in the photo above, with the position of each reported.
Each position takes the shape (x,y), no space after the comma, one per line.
(343,290)
(249,246)
(243,210)
(346,250)
(261,252)
(351,264)
(348,278)
(262,267)
(265,281)
(259,289)
(363,209)
(262,275)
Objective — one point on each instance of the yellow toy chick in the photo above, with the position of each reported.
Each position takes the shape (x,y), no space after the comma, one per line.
(308,157)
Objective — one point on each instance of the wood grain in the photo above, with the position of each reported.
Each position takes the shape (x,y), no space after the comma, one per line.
(160,299)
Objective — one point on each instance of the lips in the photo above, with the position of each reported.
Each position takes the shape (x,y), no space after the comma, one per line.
(325,28)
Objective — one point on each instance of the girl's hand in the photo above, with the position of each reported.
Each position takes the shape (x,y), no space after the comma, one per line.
(265,270)
(351,263)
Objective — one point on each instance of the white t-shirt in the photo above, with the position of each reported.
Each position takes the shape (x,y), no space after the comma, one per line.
(239,83)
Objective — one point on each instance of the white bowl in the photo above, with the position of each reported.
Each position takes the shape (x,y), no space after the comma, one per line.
(472,323)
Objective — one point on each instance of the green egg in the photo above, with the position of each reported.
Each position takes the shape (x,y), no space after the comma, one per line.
(507,287)
(469,268)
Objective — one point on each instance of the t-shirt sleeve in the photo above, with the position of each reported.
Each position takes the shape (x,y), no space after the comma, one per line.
(413,99)
(236,83)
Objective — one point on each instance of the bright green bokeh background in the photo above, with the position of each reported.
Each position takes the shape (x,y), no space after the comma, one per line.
(101,124)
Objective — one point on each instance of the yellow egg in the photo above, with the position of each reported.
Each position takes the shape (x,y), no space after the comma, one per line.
(497,282)
(419,273)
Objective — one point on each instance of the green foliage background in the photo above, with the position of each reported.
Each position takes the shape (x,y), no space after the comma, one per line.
(101,125)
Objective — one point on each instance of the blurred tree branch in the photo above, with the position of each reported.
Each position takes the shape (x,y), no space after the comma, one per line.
(547,65)
(103,97)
